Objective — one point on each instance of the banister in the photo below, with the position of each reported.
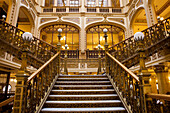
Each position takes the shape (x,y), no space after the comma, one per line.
(42,67)
(125,68)
(159,96)
(33,36)
(5,102)
(133,35)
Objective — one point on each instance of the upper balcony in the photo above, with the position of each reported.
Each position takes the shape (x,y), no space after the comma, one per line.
(77,6)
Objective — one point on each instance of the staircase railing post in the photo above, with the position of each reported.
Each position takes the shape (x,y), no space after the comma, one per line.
(59,49)
(65,60)
(106,50)
(20,99)
(143,74)
(99,59)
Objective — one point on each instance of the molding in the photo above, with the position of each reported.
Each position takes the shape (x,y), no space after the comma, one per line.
(153,62)
(38,108)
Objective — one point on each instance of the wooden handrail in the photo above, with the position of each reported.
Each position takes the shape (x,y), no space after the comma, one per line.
(42,67)
(159,96)
(5,102)
(124,67)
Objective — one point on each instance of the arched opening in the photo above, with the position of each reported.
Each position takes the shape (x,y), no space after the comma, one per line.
(70,35)
(25,21)
(95,36)
(139,21)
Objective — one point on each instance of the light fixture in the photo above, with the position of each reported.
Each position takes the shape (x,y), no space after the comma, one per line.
(105,30)
(3,16)
(162,18)
(27,36)
(99,46)
(139,36)
(66,45)
(60,30)
(15,80)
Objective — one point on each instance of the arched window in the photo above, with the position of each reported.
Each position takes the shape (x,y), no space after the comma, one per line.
(70,35)
(91,3)
(95,36)
(74,2)
(103,3)
(61,2)
(49,3)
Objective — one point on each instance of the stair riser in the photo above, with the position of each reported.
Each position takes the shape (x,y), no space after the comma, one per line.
(82,93)
(83,83)
(82,105)
(82,76)
(85,79)
(84,112)
(69,88)
(82,98)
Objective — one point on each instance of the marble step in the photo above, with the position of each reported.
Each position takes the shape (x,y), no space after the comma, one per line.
(85,110)
(82,87)
(82,76)
(80,92)
(82,79)
(83,83)
(83,103)
(84,97)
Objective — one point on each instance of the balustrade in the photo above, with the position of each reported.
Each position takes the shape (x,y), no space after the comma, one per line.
(156,38)
(94,54)
(11,41)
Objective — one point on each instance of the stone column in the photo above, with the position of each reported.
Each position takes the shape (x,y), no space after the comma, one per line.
(83,9)
(163,79)
(153,82)
(82,37)
(150,13)
(43,3)
(68,3)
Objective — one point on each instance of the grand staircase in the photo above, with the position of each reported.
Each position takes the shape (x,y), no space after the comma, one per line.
(83,94)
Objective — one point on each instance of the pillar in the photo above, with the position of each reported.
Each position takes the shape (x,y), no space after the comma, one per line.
(82,40)
(163,79)
(150,13)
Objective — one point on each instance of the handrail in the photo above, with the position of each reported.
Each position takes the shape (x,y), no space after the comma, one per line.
(125,51)
(5,102)
(125,68)
(42,67)
(159,96)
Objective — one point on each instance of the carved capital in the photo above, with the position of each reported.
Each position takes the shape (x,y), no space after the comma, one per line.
(159,68)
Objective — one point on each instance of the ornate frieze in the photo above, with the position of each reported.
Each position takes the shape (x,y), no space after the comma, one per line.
(121,20)
(76,20)
(89,20)
(46,19)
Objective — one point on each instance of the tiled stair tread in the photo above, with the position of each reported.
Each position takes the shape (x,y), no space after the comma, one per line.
(84,109)
(83,90)
(83,82)
(82,75)
(83,102)
(82,78)
(102,95)
(82,85)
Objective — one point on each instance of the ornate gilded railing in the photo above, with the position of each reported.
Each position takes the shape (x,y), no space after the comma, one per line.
(158,103)
(11,41)
(30,90)
(156,38)
(70,53)
(126,82)
(94,53)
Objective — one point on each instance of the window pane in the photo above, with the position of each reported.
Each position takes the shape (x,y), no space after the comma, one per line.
(91,3)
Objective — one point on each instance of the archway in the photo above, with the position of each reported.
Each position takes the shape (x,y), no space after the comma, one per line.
(139,21)
(95,35)
(70,35)
(25,21)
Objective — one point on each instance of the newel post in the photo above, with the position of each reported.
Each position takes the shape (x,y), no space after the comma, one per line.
(65,61)
(106,50)
(20,99)
(59,49)
(143,74)
(99,59)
